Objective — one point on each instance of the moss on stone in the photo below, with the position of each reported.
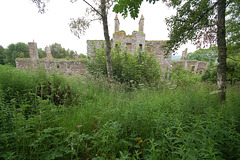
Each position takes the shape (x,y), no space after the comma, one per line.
(120,33)
(138,32)
(63,60)
(22,59)
(94,40)
(157,40)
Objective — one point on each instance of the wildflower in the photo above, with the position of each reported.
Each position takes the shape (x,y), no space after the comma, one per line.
(178,135)
(73,133)
(173,86)
(79,126)
(140,140)
(96,155)
(215,92)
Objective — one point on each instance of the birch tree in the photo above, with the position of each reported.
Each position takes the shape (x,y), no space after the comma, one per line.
(98,10)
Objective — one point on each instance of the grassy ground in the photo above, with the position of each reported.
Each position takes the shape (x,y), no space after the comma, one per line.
(53,117)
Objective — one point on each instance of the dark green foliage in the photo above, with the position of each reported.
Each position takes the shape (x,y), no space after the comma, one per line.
(210,74)
(16,85)
(58,51)
(232,27)
(181,76)
(22,86)
(187,122)
(82,56)
(2,56)
(132,69)
(14,51)
(41,53)
(207,55)
(233,71)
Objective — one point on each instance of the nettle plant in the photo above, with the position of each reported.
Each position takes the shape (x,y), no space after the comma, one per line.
(140,68)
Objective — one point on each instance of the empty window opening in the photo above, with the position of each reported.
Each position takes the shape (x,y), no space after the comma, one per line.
(129,46)
(149,48)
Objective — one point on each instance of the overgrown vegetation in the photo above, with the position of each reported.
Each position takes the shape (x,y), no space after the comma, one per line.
(46,116)
(131,69)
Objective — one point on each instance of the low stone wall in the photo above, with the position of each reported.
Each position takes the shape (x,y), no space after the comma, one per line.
(61,66)
(195,66)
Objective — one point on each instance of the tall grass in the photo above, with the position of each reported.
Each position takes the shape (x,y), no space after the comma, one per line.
(91,121)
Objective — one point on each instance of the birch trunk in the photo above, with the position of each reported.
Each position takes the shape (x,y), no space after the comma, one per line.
(222,50)
(107,40)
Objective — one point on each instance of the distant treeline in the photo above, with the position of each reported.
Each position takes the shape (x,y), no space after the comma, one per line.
(20,50)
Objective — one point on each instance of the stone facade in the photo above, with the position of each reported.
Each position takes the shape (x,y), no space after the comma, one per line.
(67,67)
(184,54)
(60,66)
(134,42)
(156,47)
(33,51)
(92,45)
(48,53)
(117,24)
(195,66)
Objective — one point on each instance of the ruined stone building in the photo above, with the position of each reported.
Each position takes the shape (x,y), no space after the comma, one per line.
(129,42)
(68,67)
(134,42)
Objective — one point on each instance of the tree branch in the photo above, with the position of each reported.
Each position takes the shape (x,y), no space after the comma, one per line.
(93,8)
(233,59)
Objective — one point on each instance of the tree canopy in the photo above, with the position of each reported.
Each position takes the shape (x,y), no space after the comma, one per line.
(232,27)
(14,51)
(207,55)
(59,52)
(1,55)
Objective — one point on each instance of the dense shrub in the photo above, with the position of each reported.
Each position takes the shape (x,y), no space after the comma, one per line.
(233,72)
(132,69)
(24,86)
(181,76)
(210,74)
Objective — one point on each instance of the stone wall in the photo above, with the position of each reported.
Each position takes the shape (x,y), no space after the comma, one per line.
(134,42)
(92,45)
(131,42)
(33,52)
(61,66)
(157,48)
(68,67)
(195,66)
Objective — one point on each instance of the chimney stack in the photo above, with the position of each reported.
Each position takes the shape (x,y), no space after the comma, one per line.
(33,51)
(141,24)
(116,23)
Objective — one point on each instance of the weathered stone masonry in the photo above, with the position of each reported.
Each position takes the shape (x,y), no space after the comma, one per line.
(68,67)
(137,41)
(129,42)
(195,66)
(134,42)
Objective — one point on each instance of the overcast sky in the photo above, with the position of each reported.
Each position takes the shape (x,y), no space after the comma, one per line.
(21,22)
